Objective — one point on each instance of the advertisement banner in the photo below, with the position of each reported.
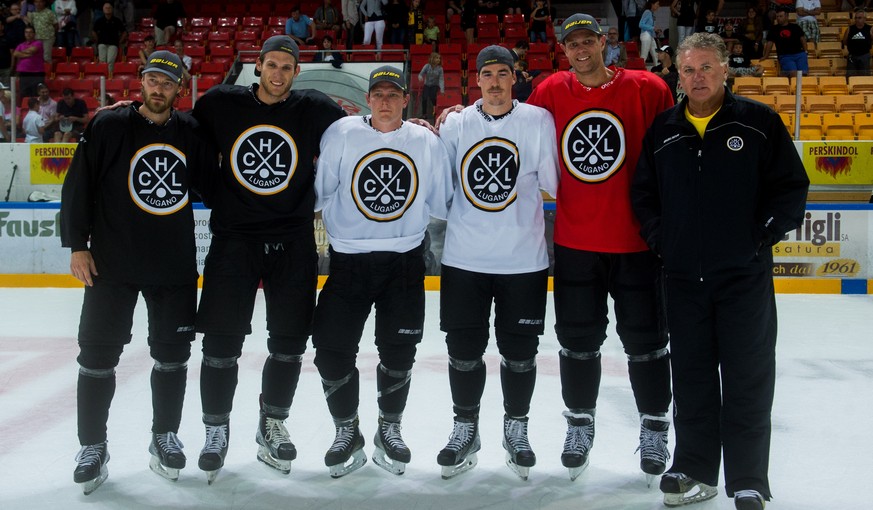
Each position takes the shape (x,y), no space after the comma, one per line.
(830,243)
(49,162)
(830,163)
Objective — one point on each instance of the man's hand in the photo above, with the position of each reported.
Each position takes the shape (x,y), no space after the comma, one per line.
(423,123)
(118,104)
(82,267)
(445,113)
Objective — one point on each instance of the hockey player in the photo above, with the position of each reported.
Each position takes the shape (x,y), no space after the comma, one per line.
(126,215)
(601,115)
(262,225)
(495,252)
(379,180)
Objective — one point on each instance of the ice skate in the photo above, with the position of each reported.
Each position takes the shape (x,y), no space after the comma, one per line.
(680,490)
(459,455)
(346,454)
(91,470)
(653,446)
(749,500)
(391,452)
(215,450)
(578,443)
(519,455)
(167,456)
(276,449)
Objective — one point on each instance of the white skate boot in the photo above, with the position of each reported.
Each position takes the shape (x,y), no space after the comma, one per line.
(680,489)
(214,450)
(91,470)
(459,455)
(653,446)
(391,452)
(346,454)
(276,449)
(578,443)
(167,455)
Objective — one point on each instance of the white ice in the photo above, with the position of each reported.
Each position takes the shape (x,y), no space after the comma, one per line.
(821,453)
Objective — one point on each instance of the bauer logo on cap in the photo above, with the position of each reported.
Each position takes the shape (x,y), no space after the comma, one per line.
(165,62)
(580,22)
(388,74)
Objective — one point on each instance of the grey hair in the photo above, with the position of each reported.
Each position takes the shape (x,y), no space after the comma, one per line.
(703,41)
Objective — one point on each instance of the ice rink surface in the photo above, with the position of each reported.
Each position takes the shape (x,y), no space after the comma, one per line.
(820,455)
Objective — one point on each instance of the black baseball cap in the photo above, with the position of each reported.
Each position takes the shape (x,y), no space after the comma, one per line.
(579,22)
(279,43)
(388,74)
(495,54)
(666,49)
(165,62)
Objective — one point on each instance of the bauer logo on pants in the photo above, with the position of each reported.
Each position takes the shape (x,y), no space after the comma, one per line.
(384,185)
(489,172)
(264,159)
(157,180)
(593,146)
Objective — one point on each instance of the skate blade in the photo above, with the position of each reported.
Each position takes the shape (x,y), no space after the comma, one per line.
(650,479)
(575,472)
(453,471)
(394,467)
(91,485)
(355,462)
(282,466)
(521,471)
(211,476)
(171,474)
(703,493)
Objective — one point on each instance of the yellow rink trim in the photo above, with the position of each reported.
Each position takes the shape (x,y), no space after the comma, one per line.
(432,283)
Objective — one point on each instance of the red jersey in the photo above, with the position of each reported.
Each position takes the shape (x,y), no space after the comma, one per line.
(600,135)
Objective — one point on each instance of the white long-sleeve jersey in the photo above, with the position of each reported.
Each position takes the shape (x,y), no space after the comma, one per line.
(376,191)
(496,224)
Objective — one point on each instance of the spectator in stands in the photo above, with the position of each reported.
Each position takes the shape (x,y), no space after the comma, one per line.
(685,13)
(167,15)
(5,57)
(5,106)
(125,11)
(666,68)
(633,9)
(468,20)
(790,43)
(374,20)
(775,5)
(110,34)
(807,10)
(709,24)
(300,27)
(520,49)
(68,32)
(415,23)
(523,86)
(27,7)
(454,7)
(730,36)
(490,7)
(539,16)
(147,49)
(327,18)
(431,76)
(614,52)
(396,17)
(648,40)
(72,117)
(350,20)
(45,23)
(15,23)
(851,5)
(28,62)
(33,124)
(48,110)
(431,32)
(703,8)
(858,40)
(741,65)
(328,54)
(752,33)
(179,46)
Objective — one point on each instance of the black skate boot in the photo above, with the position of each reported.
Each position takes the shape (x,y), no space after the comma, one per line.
(91,470)
(749,500)
(348,445)
(214,450)
(391,452)
(276,449)
(653,446)
(167,456)
(459,455)
(578,443)
(680,489)
(519,455)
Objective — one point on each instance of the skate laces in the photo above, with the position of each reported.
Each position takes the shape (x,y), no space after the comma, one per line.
(515,432)
(653,445)
(91,454)
(462,433)
(216,438)
(578,438)
(391,435)
(276,433)
(169,442)
(344,436)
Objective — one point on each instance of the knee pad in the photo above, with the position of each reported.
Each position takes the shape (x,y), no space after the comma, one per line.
(398,356)
(286,344)
(170,353)
(517,346)
(581,356)
(98,357)
(334,365)
(519,366)
(465,365)
(214,362)
(467,343)
(222,346)
(650,356)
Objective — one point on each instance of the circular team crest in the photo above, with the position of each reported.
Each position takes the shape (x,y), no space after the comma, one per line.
(263,159)
(384,184)
(593,146)
(489,172)
(735,143)
(156,180)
